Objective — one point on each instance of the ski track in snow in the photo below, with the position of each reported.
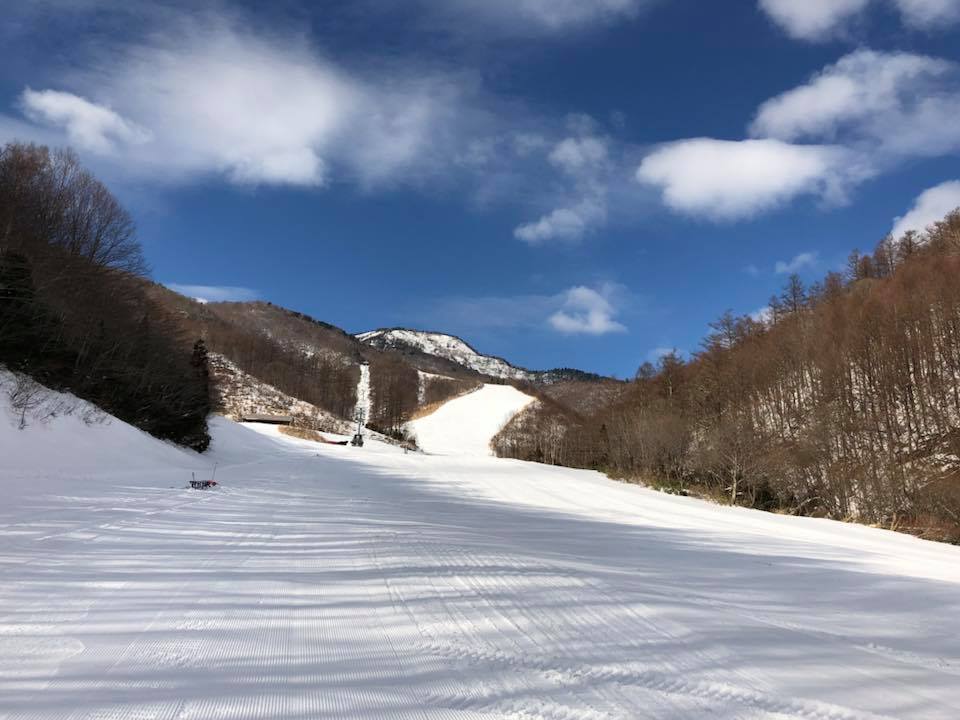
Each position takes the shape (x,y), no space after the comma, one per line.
(331,582)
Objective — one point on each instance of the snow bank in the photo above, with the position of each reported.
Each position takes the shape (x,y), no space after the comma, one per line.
(467,424)
(68,444)
(76,440)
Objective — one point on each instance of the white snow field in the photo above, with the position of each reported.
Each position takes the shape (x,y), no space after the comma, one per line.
(466,425)
(333,582)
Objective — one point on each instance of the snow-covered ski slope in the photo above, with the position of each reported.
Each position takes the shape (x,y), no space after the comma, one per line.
(334,582)
(467,424)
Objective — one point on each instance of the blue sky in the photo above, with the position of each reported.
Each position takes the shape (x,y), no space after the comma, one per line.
(561,182)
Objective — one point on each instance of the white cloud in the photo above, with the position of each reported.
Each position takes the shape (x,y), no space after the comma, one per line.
(535,17)
(528,143)
(931,206)
(867,94)
(817,20)
(578,155)
(256,109)
(865,114)
(728,180)
(929,13)
(584,164)
(568,224)
(577,310)
(800,262)
(88,126)
(215,293)
(762,315)
(587,312)
(812,19)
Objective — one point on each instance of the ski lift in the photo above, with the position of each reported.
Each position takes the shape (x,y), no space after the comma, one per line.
(358,436)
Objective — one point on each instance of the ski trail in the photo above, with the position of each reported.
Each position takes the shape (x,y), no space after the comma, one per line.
(465,425)
(362,413)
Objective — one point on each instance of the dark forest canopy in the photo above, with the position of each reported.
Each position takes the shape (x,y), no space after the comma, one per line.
(74,314)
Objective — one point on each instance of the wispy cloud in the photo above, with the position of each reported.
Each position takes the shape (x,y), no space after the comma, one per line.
(798,263)
(214,97)
(812,19)
(568,224)
(88,126)
(579,310)
(819,20)
(583,164)
(209,97)
(532,17)
(892,104)
(931,206)
(215,293)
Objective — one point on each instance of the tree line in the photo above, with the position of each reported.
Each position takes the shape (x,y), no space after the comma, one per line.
(844,401)
(326,380)
(74,311)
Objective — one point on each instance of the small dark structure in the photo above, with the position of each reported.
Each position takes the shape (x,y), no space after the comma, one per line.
(204,484)
(268,419)
(358,436)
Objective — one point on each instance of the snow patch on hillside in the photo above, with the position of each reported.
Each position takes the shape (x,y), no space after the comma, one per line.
(65,444)
(467,424)
(238,394)
(422,379)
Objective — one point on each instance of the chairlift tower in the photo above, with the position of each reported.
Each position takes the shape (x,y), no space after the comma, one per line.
(358,436)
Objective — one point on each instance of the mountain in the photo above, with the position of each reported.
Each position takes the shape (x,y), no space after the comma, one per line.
(456,350)
(447,347)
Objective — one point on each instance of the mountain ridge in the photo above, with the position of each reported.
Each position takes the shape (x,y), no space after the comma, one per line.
(457,350)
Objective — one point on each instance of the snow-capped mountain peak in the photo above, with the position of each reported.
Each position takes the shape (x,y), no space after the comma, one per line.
(444,346)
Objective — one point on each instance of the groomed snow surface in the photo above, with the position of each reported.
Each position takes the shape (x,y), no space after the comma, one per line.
(334,582)
(466,425)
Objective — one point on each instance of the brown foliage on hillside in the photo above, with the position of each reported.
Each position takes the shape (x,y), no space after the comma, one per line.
(73,311)
(846,403)
(302,357)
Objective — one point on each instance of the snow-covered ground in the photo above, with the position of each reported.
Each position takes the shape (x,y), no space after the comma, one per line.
(336,582)
(467,424)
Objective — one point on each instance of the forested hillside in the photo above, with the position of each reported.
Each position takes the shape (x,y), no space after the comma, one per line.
(843,402)
(315,362)
(74,314)
(306,359)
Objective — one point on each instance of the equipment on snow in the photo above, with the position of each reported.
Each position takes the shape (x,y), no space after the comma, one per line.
(204,484)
